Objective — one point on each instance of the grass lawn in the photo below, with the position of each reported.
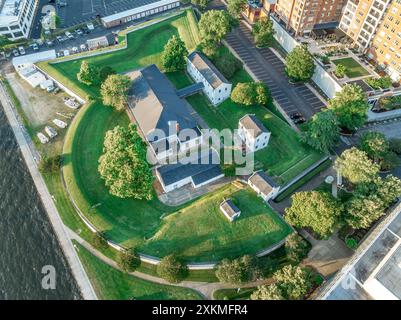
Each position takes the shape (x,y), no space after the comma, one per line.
(112,284)
(354,69)
(202,233)
(284,158)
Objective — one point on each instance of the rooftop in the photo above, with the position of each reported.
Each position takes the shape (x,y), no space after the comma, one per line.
(154,103)
(229,208)
(207,69)
(9,11)
(201,168)
(375,270)
(263,182)
(250,122)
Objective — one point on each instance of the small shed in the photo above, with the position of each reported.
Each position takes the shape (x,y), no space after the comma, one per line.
(230,210)
(100,42)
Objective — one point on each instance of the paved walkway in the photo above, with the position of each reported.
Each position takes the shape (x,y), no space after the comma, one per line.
(75,264)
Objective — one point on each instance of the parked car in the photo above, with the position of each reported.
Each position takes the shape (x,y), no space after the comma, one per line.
(296,115)
(66,53)
(50,132)
(86,30)
(60,39)
(79,32)
(43,139)
(49,43)
(75,49)
(299,120)
(15,53)
(21,50)
(60,54)
(82,47)
(69,35)
(35,46)
(90,26)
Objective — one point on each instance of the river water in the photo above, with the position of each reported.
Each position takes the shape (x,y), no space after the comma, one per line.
(27,240)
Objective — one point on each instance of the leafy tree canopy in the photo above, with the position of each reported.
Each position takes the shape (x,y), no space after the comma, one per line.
(251,93)
(235,7)
(114,91)
(172,269)
(123,164)
(317,210)
(174,55)
(214,25)
(300,65)
(374,144)
(263,32)
(88,73)
(322,131)
(267,292)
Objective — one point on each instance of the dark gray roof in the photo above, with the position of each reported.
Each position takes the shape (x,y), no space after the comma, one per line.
(212,75)
(229,208)
(154,103)
(250,122)
(201,169)
(263,182)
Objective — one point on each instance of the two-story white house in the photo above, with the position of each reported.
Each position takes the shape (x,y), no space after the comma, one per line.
(253,133)
(216,86)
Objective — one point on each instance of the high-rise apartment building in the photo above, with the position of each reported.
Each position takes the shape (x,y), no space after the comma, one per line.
(375,27)
(302,16)
(16,17)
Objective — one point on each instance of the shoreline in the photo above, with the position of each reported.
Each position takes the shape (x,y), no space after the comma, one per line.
(59,229)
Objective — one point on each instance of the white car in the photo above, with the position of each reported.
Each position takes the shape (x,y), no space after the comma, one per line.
(21,50)
(69,35)
(43,139)
(82,47)
(75,49)
(50,132)
(59,123)
(15,53)
(90,26)
(66,53)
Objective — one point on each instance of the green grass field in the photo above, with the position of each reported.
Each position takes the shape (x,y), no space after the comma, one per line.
(138,223)
(354,69)
(112,284)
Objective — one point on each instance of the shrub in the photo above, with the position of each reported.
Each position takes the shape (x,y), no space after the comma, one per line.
(395,145)
(228,65)
(50,164)
(351,243)
(99,241)
(172,269)
(127,260)
(380,83)
(238,270)
(296,248)
(251,93)
(390,161)
(340,70)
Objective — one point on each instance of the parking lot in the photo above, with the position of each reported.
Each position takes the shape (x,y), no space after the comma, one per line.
(267,67)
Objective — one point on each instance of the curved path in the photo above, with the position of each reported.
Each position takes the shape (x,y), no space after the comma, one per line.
(206,289)
(30,158)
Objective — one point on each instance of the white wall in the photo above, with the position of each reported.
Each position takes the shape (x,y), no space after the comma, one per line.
(321,77)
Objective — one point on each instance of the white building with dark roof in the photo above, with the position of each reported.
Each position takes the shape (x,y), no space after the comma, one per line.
(253,133)
(263,185)
(216,86)
(16,17)
(164,119)
(230,210)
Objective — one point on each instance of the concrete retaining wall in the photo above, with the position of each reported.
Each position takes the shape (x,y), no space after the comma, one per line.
(322,78)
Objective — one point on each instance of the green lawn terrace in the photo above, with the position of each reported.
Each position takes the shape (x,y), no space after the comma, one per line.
(150,226)
(354,68)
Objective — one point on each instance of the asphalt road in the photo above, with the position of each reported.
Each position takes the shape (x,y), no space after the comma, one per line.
(267,67)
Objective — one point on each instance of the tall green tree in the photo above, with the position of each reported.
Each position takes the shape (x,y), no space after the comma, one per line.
(128,260)
(214,26)
(350,106)
(355,165)
(322,131)
(235,7)
(201,4)
(300,65)
(114,91)
(375,145)
(238,270)
(362,211)
(263,32)
(267,292)
(88,73)
(317,210)
(296,248)
(123,164)
(294,282)
(172,269)
(251,93)
(174,55)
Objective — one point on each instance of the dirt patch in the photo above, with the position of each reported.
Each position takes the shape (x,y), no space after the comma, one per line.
(40,107)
